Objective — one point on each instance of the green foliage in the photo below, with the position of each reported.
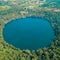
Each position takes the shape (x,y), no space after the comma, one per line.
(9,52)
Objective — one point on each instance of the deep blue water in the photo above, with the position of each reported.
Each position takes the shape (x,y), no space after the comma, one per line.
(29,33)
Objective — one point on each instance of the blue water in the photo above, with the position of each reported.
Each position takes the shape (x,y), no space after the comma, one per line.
(29,33)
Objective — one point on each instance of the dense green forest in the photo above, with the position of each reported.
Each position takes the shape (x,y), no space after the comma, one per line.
(10,10)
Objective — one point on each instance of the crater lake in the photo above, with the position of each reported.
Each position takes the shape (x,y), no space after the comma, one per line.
(29,33)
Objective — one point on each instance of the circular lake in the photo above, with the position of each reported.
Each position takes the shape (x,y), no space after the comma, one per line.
(29,33)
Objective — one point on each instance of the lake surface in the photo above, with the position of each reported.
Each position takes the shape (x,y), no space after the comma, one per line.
(29,33)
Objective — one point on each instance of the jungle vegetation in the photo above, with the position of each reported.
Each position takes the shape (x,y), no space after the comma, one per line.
(10,10)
